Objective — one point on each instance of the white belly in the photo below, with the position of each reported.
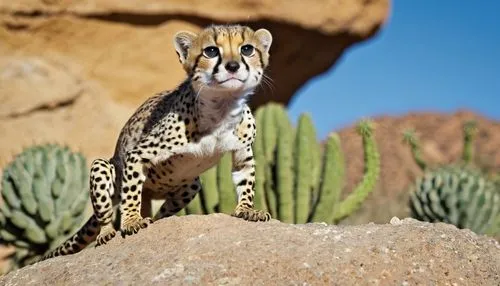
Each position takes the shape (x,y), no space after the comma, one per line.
(213,144)
(191,160)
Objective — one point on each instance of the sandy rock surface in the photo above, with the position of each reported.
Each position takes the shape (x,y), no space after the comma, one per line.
(220,250)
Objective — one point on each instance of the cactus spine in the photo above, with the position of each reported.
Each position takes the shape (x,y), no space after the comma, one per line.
(45,194)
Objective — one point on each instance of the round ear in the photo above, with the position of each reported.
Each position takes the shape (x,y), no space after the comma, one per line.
(265,38)
(183,40)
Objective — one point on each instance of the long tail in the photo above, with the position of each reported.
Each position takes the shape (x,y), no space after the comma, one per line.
(78,241)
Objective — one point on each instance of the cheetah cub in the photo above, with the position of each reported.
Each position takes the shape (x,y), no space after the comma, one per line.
(176,135)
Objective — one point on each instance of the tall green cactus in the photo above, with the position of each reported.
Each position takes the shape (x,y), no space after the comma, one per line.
(333,180)
(296,180)
(458,194)
(372,171)
(260,169)
(470,130)
(284,167)
(210,194)
(269,142)
(45,193)
(304,169)
(409,138)
(227,194)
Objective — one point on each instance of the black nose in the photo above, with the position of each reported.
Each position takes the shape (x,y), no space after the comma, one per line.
(232,66)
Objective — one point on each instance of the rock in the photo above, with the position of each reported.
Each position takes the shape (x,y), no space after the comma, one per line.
(46,83)
(46,100)
(221,250)
(5,253)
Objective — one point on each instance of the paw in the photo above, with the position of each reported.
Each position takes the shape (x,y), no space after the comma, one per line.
(251,214)
(134,224)
(105,235)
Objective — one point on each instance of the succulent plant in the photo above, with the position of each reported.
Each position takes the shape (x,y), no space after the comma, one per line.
(459,194)
(44,197)
(297,179)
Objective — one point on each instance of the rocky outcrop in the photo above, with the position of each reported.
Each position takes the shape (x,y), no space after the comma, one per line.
(73,71)
(56,106)
(221,250)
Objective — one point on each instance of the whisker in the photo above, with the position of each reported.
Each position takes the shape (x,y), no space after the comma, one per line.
(199,91)
(268,82)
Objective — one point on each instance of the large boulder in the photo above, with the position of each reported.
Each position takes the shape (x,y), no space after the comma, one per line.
(221,250)
(73,71)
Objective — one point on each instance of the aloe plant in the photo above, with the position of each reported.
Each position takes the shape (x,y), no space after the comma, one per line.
(44,196)
(459,194)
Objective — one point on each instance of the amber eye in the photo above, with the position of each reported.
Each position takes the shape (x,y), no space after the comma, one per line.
(247,50)
(211,52)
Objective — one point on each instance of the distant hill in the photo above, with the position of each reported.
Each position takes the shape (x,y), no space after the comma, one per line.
(441,140)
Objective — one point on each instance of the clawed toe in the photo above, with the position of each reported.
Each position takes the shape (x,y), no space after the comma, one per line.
(107,233)
(251,214)
(133,226)
(104,238)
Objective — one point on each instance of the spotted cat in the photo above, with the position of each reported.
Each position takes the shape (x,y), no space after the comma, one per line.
(176,135)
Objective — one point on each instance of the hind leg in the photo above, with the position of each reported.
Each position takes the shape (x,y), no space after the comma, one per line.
(102,177)
(99,227)
(177,200)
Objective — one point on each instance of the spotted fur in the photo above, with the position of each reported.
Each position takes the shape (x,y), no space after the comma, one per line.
(176,135)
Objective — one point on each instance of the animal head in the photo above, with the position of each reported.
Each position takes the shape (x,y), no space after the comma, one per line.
(227,57)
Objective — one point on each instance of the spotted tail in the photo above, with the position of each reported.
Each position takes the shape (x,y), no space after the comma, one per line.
(78,241)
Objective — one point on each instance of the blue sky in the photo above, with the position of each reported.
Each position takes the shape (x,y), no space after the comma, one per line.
(432,55)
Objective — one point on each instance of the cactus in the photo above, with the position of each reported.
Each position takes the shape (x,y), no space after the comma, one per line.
(372,171)
(459,194)
(45,194)
(333,180)
(296,181)
(209,196)
(269,141)
(304,170)
(260,169)
(284,168)
(227,194)
(470,130)
(410,139)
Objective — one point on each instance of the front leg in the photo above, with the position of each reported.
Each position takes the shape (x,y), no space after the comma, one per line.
(136,163)
(244,179)
(130,205)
